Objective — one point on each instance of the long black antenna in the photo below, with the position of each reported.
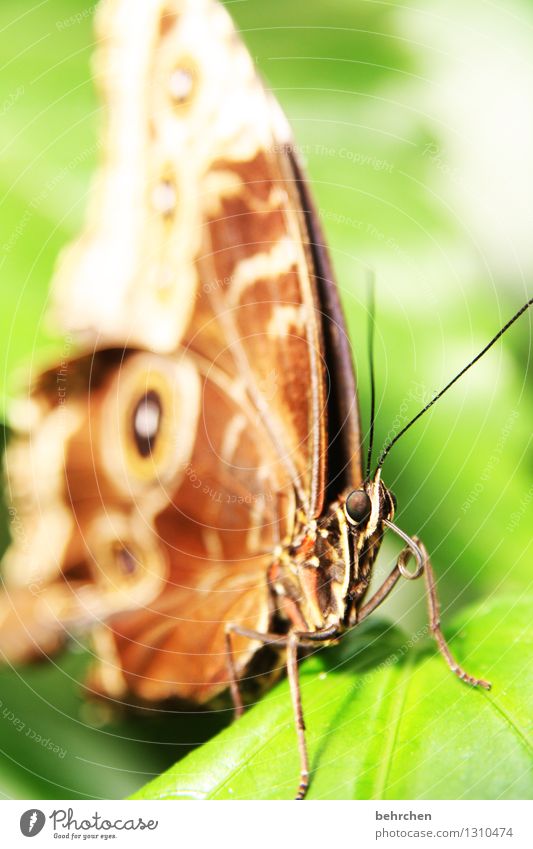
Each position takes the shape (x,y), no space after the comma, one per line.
(370,339)
(500,333)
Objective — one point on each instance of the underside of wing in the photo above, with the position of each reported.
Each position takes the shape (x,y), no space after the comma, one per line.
(196,231)
(201,279)
(154,555)
(233,507)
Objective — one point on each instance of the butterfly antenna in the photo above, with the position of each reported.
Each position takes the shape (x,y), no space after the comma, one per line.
(370,338)
(436,397)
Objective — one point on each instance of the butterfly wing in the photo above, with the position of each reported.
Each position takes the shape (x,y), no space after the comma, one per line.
(198,204)
(202,249)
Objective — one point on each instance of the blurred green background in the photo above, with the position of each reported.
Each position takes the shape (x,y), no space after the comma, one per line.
(415,123)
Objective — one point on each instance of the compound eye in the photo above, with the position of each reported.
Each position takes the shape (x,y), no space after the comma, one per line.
(358,507)
(147,423)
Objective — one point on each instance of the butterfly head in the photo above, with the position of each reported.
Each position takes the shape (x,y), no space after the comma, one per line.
(366,507)
(332,564)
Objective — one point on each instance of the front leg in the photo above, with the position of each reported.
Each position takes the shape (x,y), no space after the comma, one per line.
(291,642)
(296,695)
(416,549)
(434,624)
(266,639)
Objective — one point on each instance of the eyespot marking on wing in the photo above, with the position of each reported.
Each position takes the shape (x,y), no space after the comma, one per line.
(165,197)
(147,422)
(181,83)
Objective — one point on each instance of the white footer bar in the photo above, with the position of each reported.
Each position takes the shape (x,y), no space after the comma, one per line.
(267,825)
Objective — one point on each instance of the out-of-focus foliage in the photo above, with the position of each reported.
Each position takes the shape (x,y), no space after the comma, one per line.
(414,124)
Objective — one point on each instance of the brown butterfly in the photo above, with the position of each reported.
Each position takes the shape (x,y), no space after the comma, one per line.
(189,485)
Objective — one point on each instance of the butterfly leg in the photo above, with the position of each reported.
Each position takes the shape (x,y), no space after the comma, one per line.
(418,550)
(232,628)
(291,643)
(434,624)
(233,679)
(296,696)
(380,595)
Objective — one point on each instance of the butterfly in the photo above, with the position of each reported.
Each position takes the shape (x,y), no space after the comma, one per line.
(189,483)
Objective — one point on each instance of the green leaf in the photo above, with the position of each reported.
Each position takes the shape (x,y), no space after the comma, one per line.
(385,720)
